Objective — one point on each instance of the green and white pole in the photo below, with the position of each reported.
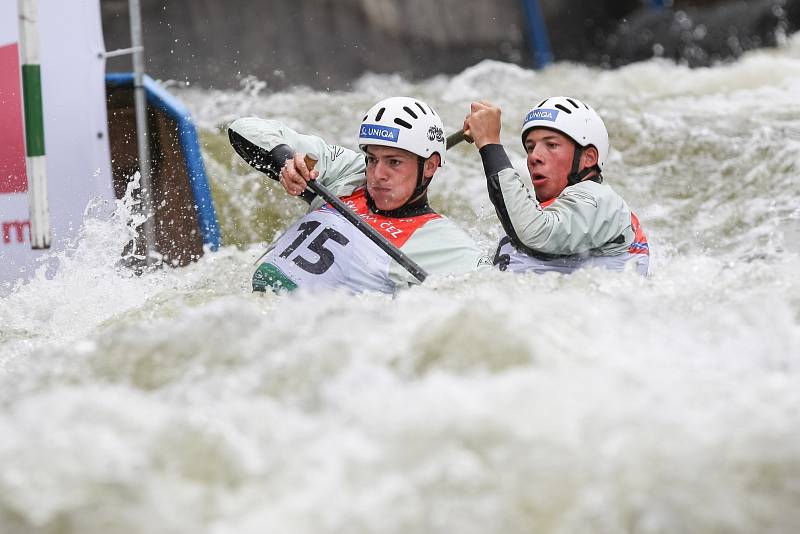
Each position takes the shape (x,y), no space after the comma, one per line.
(34,124)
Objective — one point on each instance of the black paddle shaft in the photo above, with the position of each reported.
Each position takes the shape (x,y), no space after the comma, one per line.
(270,163)
(395,253)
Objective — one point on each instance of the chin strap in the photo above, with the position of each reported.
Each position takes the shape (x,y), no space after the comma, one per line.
(422,182)
(576,177)
(419,206)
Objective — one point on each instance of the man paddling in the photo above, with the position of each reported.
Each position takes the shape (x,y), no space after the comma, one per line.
(403,143)
(561,217)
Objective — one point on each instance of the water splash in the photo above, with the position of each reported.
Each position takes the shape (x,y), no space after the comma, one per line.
(179,401)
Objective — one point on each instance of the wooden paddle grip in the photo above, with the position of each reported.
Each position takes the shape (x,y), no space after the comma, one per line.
(310,161)
(456,138)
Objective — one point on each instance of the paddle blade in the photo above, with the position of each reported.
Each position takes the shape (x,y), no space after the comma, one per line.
(269,162)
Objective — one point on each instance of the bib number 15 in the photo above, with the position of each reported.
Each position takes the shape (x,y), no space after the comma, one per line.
(316,245)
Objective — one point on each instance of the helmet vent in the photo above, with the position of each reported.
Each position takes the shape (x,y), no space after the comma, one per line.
(380,114)
(410,112)
(402,123)
(574,105)
(422,109)
(563,108)
(542,103)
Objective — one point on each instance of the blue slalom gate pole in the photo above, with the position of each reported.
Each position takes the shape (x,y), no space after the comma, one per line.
(537,30)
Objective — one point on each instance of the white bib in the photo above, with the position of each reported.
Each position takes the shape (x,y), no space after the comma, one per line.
(323,250)
(509,258)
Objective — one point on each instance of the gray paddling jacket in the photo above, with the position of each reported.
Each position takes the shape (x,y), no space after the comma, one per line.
(587,225)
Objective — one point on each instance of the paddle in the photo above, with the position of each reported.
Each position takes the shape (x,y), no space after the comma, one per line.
(455,138)
(270,163)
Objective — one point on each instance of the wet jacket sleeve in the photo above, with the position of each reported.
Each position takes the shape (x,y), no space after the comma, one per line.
(585,217)
(441,248)
(340,170)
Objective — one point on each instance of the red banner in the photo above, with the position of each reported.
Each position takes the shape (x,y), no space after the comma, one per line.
(12,136)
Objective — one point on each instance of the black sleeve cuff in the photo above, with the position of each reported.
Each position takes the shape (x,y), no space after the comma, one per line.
(494,159)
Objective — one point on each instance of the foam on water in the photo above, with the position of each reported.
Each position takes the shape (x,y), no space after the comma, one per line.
(177,401)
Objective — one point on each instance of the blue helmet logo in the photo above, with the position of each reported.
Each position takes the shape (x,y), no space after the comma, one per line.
(382,133)
(542,115)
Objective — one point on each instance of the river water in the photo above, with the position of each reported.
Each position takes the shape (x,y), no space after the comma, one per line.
(178,401)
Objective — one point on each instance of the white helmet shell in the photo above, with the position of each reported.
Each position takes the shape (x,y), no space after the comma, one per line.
(573,118)
(405,123)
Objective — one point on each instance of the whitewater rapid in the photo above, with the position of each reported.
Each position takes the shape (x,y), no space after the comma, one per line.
(178,401)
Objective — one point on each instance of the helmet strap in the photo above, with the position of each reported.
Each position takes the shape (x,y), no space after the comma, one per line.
(574,176)
(577,177)
(422,182)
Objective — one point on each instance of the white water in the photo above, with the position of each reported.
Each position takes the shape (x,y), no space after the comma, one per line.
(179,402)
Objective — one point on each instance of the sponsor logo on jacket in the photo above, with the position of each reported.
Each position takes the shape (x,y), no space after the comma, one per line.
(375,131)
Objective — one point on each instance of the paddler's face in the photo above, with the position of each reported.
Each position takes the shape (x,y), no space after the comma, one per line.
(392,175)
(549,161)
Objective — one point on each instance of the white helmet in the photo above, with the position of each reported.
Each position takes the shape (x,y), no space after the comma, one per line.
(573,118)
(405,123)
